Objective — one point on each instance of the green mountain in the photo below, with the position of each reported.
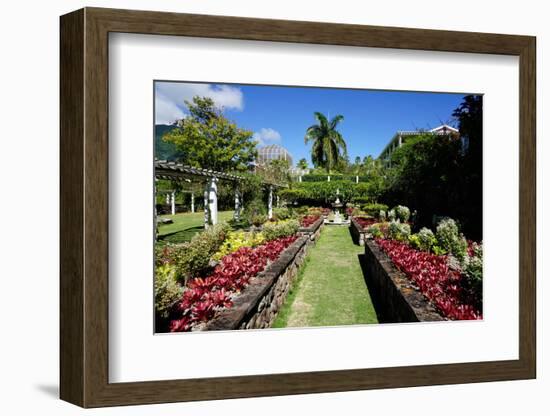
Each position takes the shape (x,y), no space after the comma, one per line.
(165,150)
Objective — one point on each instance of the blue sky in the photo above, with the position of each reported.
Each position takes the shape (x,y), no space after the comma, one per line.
(281,115)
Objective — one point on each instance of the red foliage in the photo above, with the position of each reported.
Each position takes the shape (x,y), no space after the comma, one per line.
(441,285)
(308,220)
(204,296)
(365,222)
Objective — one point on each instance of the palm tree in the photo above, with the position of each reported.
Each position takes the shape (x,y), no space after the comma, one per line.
(328,144)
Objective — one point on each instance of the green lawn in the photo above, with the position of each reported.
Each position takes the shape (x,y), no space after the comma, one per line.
(187,224)
(330,288)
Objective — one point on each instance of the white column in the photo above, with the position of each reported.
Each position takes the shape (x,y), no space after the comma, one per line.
(270,203)
(400,141)
(173,202)
(277,199)
(213,200)
(356,178)
(167,199)
(206,212)
(300,178)
(192,201)
(237,213)
(328,178)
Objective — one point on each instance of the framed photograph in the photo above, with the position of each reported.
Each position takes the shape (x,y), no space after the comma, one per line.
(255,207)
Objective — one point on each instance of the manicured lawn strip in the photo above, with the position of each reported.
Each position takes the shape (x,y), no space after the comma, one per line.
(188,224)
(330,289)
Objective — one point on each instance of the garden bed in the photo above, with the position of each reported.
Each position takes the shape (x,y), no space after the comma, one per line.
(257,306)
(313,230)
(398,299)
(358,229)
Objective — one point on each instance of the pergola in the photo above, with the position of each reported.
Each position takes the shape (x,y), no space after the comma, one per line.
(209,178)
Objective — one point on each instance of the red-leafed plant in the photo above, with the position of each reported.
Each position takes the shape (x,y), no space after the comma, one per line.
(440,284)
(308,220)
(203,297)
(365,222)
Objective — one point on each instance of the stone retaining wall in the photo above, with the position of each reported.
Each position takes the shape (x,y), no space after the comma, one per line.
(395,298)
(313,231)
(358,234)
(257,306)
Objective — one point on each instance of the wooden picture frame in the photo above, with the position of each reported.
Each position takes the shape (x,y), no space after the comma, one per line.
(84,207)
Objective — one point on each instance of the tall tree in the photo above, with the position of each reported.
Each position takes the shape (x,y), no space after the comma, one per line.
(328,146)
(207,139)
(441,175)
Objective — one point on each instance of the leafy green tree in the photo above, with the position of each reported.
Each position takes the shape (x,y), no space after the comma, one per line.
(277,171)
(207,139)
(302,163)
(442,175)
(328,146)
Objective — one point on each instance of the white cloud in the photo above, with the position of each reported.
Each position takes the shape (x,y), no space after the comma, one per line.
(171,96)
(166,112)
(267,136)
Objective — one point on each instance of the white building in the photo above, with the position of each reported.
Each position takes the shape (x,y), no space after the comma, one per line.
(400,137)
(272,152)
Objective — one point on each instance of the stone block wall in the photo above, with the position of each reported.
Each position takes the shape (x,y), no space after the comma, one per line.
(395,298)
(358,234)
(314,230)
(257,306)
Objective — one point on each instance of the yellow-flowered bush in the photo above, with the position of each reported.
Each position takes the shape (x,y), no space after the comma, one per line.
(237,239)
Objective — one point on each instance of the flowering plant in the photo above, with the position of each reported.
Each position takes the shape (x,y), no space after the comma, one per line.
(402,213)
(308,220)
(238,239)
(203,297)
(440,284)
(364,223)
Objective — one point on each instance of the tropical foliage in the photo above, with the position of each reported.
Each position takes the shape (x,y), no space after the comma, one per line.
(204,296)
(435,279)
(328,145)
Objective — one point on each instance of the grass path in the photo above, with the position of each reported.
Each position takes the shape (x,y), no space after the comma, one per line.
(330,288)
(187,224)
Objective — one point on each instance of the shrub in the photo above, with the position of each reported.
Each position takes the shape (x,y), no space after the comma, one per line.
(423,240)
(274,230)
(375,231)
(167,290)
(258,219)
(303,210)
(236,240)
(362,200)
(374,209)
(402,213)
(450,240)
(315,211)
(391,215)
(254,208)
(382,215)
(193,258)
(399,231)
(438,251)
(473,271)
(282,213)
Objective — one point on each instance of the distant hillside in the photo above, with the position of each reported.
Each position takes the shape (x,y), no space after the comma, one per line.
(164,150)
